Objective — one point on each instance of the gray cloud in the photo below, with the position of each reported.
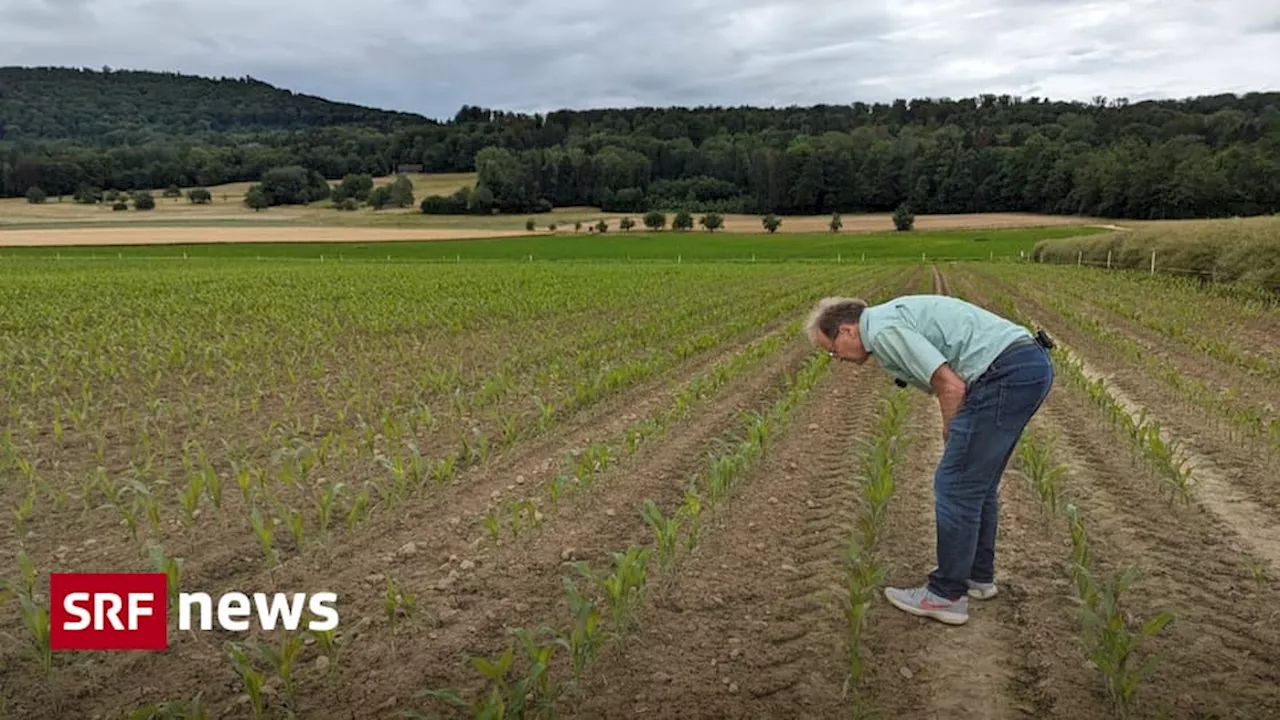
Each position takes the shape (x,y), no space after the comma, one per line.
(432,56)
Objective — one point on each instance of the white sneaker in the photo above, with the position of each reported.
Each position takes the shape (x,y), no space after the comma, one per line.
(977,590)
(981,591)
(919,601)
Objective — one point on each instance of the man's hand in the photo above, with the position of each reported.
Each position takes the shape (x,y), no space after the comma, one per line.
(950,391)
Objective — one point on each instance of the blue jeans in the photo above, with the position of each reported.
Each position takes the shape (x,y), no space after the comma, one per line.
(983,435)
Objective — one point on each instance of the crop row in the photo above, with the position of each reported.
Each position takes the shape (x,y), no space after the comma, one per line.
(380,462)
(1173,308)
(1113,641)
(1164,456)
(880,460)
(1236,412)
(521,681)
(580,468)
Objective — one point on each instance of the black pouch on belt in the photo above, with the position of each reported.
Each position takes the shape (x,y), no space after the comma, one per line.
(1043,340)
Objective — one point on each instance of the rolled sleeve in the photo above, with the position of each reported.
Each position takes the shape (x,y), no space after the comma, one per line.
(911,352)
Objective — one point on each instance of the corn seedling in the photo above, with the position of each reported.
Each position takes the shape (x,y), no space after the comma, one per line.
(536,686)
(294,522)
(397,602)
(666,532)
(327,641)
(624,587)
(24,511)
(1113,647)
(359,509)
(864,575)
(264,530)
(1258,569)
(244,480)
(1036,459)
(27,570)
(583,639)
(554,488)
(491,524)
(691,511)
(172,569)
(190,498)
(282,660)
(251,677)
(325,503)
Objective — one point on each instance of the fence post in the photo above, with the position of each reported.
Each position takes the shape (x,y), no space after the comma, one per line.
(1079,258)
(1108,259)
(1153,262)
(839,258)
(864,257)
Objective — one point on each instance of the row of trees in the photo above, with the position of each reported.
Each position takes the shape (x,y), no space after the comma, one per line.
(903,219)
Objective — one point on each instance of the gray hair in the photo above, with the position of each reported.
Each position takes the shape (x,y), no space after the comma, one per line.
(832,312)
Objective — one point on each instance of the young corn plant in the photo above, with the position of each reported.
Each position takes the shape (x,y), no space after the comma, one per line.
(864,574)
(1113,647)
(491,524)
(190,498)
(24,512)
(251,676)
(325,503)
(1036,459)
(395,603)
(327,641)
(624,587)
(531,696)
(666,533)
(282,660)
(264,529)
(359,509)
(172,569)
(691,512)
(583,638)
(1258,569)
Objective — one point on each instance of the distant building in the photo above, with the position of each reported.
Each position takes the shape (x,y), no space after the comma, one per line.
(409,168)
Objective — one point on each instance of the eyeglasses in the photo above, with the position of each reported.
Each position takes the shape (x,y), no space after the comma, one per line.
(832,352)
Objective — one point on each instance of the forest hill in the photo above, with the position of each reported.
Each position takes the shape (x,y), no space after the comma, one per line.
(1202,157)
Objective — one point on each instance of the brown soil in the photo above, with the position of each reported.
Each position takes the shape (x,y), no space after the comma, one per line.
(460,613)
(1221,656)
(1246,463)
(750,624)
(138,235)
(751,627)
(1193,363)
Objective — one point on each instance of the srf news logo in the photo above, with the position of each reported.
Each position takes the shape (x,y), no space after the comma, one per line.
(130,611)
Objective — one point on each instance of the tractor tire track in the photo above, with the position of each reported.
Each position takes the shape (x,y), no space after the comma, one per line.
(752,627)
(1221,656)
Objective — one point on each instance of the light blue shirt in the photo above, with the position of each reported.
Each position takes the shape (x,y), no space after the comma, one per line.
(911,336)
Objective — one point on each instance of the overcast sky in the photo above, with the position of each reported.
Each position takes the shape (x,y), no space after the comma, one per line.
(433,56)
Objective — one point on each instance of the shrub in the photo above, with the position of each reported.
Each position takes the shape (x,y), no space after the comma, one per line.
(903,219)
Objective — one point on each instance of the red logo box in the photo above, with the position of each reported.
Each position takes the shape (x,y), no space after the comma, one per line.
(108,611)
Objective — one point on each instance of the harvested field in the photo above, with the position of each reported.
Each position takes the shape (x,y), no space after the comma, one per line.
(141,235)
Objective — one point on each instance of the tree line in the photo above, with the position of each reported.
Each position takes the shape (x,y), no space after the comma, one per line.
(1196,157)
